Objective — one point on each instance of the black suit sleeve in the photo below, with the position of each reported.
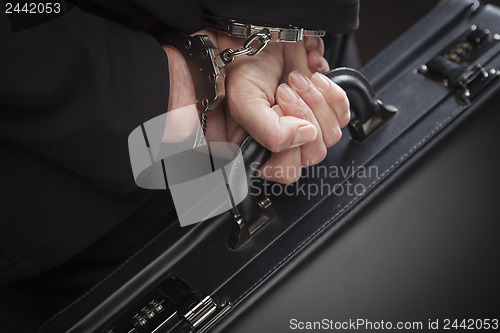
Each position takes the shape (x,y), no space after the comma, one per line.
(73,88)
(334,16)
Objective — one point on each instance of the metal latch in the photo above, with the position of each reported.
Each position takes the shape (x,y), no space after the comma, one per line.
(454,66)
(360,129)
(171,303)
(472,82)
(204,313)
(200,311)
(368,112)
(243,230)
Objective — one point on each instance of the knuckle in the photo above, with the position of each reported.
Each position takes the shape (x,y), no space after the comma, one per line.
(273,141)
(345,118)
(346,113)
(321,154)
(334,137)
(340,99)
(291,177)
(316,99)
(315,156)
(303,111)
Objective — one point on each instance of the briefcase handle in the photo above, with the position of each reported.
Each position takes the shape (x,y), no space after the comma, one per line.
(368,114)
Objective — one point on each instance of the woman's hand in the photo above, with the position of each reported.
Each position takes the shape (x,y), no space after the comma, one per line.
(278,96)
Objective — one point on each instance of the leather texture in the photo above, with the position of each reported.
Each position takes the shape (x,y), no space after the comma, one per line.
(254,155)
(362,97)
(199,254)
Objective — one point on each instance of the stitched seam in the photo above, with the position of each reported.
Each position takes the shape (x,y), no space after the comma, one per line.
(275,268)
(327,224)
(232,181)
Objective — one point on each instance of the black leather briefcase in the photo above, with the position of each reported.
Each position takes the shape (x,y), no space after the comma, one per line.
(202,277)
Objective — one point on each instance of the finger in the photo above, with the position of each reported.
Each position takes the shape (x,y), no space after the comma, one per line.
(295,56)
(317,63)
(293,105)
(323,65)
(334,96)
(325,115)
(314,44)
(268,125)
(284,167)
(312,60)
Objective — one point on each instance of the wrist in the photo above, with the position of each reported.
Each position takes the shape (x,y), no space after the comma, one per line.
(214,36)
(228,42)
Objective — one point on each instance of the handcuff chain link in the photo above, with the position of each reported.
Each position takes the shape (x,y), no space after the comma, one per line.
(262,38)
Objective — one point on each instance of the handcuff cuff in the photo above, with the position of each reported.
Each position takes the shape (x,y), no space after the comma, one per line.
(207,64)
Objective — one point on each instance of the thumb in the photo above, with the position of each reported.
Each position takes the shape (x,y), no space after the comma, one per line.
(293,132)
(269,125)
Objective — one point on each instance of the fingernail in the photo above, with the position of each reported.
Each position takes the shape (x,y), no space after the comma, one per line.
(304,134)
(300,81)
(320,81)
(287,94)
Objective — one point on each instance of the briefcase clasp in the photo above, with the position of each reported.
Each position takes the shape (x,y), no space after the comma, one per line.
(243,230)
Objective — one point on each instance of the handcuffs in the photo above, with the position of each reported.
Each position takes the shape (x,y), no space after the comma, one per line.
(206,64)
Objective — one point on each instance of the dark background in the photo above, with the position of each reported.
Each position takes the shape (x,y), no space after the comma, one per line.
(382,21)
(427,248)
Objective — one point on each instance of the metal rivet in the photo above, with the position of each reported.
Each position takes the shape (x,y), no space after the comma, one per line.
(221,302)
